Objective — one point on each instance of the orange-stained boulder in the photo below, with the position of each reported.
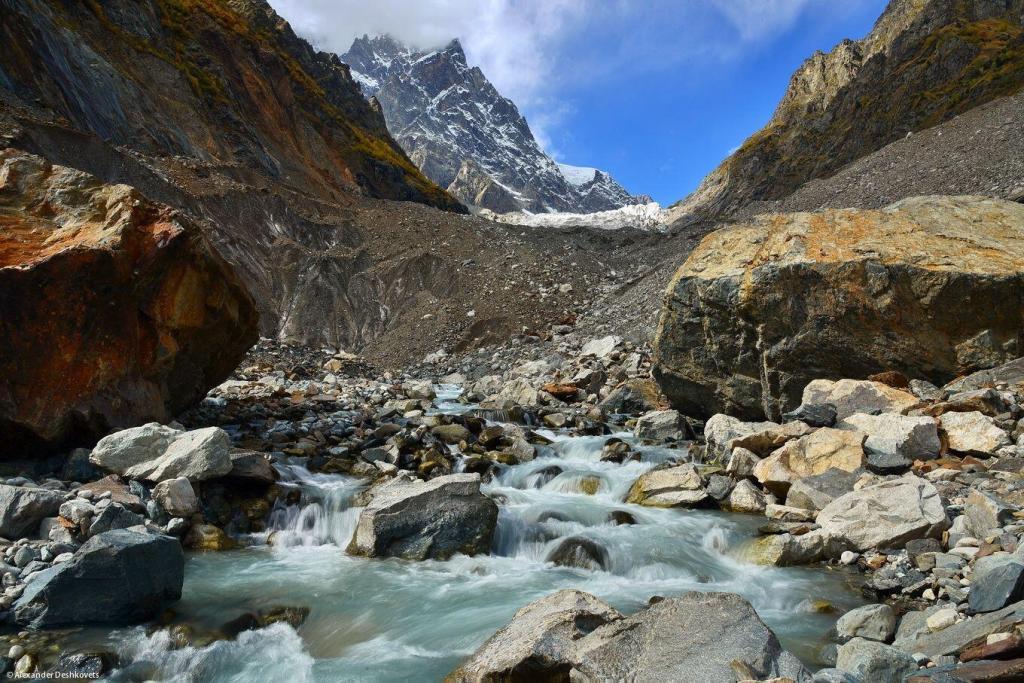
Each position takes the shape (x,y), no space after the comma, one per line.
(114,311)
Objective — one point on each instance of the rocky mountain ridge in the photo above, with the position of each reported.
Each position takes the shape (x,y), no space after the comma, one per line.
(924,62)
(465,136)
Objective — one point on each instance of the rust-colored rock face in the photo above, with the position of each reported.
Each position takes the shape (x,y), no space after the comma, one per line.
(113,311)
(932,287)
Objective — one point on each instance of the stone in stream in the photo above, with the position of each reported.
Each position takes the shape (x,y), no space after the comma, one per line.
(118,577)
(679,486)
(696,636)
(874,661)
(873,622)
(573,635)
(885,515)
(419,520)
(252,467)
(539,643)
(23,508)
(580,552)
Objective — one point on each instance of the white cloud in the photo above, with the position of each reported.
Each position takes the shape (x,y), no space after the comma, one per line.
(756,20)
(512,41)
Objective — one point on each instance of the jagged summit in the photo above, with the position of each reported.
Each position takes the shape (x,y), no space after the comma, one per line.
(465,136)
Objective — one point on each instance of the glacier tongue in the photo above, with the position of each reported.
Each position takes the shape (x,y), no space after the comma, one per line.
(460,131)
(649,216)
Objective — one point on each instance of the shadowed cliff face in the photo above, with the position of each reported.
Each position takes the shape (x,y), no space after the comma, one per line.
(220,81)
(924,62)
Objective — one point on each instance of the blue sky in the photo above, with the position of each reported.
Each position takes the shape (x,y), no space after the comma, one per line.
(656,92)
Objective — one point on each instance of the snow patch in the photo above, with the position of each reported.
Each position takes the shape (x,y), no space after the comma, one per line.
(577,175)
(648,216)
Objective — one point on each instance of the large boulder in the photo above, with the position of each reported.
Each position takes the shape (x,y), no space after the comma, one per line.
(158,453)
(116,310)
(885,515)
(573,635)
(540,641)
(694,637)
(118,577)
(929,286)
(419,520)
(23,508)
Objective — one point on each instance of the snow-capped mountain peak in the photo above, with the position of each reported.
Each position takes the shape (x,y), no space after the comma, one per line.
(467,137)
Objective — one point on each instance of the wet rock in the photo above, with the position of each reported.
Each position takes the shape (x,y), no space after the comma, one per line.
(885,515)
(895,441)
(872,622)
(540,641)
(874,661)
(23,508)
(760,309)
(130,576)
(426,520)
(176,496)
(618,451)
(995,584)
(208,537)
(580,552)
(784,513)
(813,454)
(660,425)
(620,517)
(818,490)
(151,316)
(679,486)
(813,414)
(972,432)
(89,665)
(451,433)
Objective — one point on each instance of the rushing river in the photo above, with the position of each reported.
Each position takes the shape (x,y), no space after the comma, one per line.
(394,620)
